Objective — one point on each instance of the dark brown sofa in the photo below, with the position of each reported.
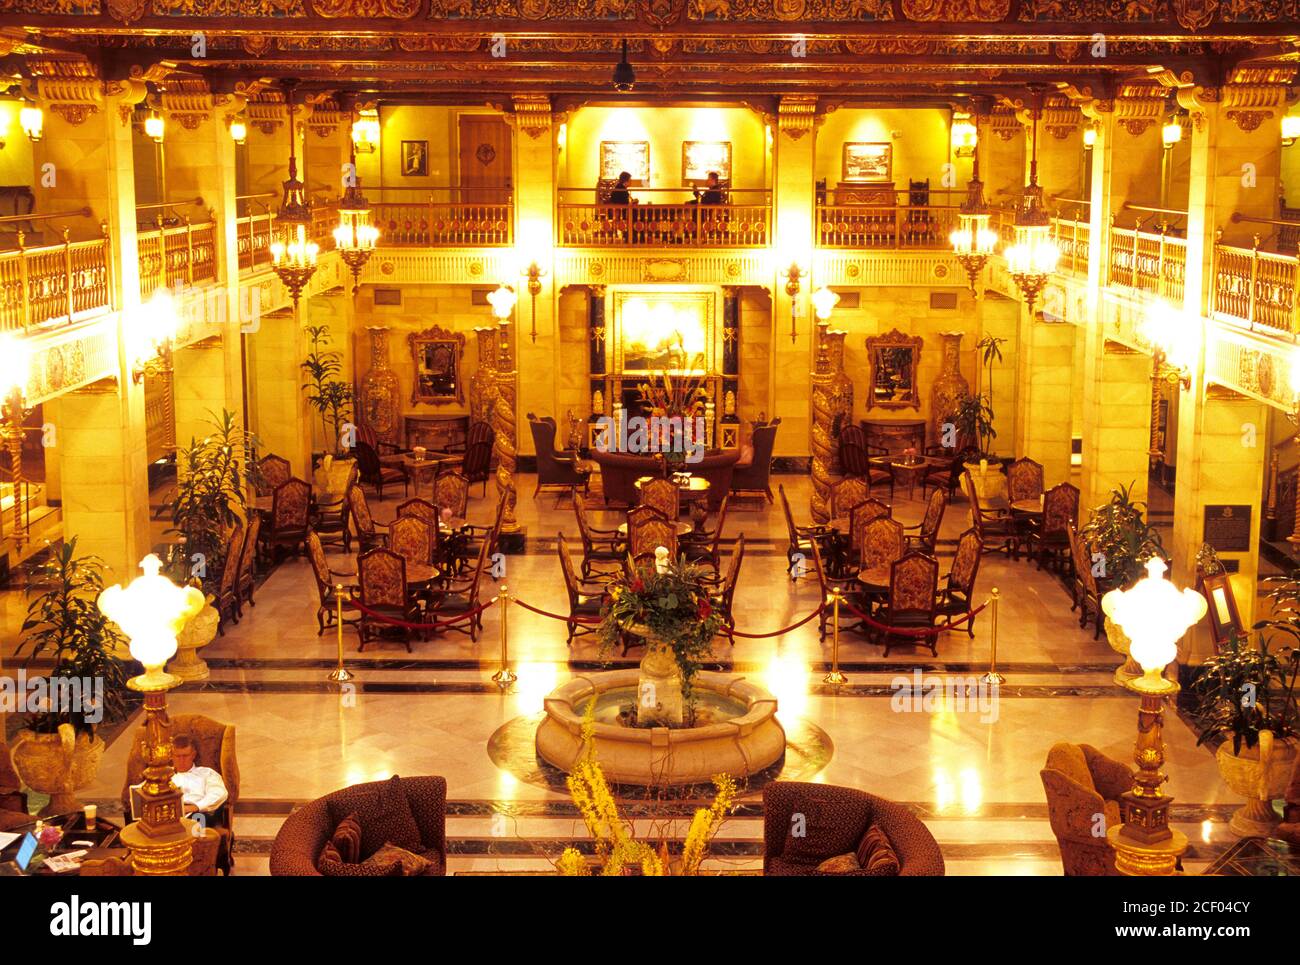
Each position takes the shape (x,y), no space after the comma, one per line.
(301,838)
(717,468)
(835,820)
(619,472)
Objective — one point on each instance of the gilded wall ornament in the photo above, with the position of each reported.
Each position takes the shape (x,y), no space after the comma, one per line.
(956,11)
(391,9)
(1249,120)
(1195,14)
(127,11)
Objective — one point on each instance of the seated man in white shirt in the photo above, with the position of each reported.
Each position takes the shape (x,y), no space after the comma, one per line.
(202,788)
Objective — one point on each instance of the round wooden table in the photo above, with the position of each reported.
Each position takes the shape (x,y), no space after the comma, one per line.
(694,492)
(419,573)
(683,527)
(876,578)
(1031,507)
(907,472)
(421,469)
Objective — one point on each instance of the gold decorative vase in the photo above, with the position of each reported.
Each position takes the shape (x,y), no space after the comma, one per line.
(379,396)
(1260,774)
(949,388)
(57,764)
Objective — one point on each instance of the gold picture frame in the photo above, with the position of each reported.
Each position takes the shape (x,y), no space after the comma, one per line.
(632,351)
(701,157)
(436,356)
(894,361)
(868,162)
(630,156)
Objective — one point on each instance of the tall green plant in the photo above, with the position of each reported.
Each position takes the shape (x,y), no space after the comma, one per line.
(1120,532)
(1245,689)
(64,622)
(330,396)
(212,475)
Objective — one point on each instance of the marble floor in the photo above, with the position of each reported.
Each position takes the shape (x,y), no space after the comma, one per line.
(972,776)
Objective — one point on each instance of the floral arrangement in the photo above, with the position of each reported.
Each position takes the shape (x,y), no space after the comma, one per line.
(676,396)
(616,850)
(673,603)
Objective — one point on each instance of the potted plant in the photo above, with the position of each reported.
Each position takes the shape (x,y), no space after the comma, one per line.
(212,476)
(1246,697)
(58,751)
(680,397)
(668,605)
(1119,541)
(329,396)
(973,420)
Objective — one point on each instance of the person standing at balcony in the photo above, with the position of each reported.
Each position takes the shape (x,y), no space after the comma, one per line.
(619,193)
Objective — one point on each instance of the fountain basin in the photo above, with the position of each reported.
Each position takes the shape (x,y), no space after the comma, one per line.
(741,745)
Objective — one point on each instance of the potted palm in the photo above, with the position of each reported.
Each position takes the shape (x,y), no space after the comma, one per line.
(328,395)
(973,420)
(1246,696)
(58,751)
(1119,541)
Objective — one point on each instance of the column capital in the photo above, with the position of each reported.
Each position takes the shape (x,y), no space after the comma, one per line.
(532,114)
(1140,105)
(795,114)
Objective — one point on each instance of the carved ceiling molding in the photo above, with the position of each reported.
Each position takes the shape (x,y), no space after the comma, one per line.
(796,114)
(327,117)
(1139,106)
(532,114)
(1004,123)
(266,111)
(187,101)
(70,86)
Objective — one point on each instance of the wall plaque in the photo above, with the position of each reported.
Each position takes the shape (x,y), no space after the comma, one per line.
(1227,527)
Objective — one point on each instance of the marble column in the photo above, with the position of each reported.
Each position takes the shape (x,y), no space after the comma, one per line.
(1046,371)
(1116,420)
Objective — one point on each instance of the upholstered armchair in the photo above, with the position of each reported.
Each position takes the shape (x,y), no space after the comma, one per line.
(214,744)
(835,820)
(554,469)
(753,470)
(1083,786)
(297,847)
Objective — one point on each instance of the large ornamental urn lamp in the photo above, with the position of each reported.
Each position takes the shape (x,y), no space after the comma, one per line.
(151,612)
(1154,614)
(1034,255)
(355,237)
(293,253)
(15,370)
(974,241)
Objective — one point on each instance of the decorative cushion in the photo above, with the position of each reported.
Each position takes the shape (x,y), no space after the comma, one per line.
(329,853)
(411,864)
(831,826)
(347,839)
(875,854)
(364,869)
(841,864)
(390,820)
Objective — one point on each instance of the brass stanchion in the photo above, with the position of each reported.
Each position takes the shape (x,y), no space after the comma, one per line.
(504,677)
(340,674)
(993,677)
(836,676)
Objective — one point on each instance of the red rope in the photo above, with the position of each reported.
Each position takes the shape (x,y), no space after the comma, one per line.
(774,633)
(914,631)
(589,621)
(407,625)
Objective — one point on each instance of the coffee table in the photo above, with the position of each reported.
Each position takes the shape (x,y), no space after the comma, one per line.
(426,468)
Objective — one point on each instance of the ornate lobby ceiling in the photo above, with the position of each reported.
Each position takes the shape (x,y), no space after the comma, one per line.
(897,50)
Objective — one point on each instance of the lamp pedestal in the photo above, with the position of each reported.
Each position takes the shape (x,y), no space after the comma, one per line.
(1145,844)
(161,842)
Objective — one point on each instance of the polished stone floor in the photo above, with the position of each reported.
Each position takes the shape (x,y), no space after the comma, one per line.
(973,777)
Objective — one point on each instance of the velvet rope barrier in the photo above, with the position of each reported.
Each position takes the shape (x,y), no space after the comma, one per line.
(586,621)
(408,625)
(914,631)
(774,633)
(592,621)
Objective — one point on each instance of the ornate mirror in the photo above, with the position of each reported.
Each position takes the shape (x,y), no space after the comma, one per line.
(436,353)
(894,360)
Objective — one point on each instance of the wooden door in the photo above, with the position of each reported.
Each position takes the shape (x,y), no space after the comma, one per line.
(485,162)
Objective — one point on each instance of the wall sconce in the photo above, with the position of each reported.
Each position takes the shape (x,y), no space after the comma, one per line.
(965,136)
(32,121)
(366,132)
(792,276)
(238,130)
(15,371)
(1290,129)
(534,273)
(154,127)
(157,330)
(1089,138)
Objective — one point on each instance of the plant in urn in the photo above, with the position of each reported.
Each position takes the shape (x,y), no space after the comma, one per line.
(668,605)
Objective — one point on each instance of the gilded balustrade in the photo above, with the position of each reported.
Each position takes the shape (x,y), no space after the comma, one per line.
(58,282)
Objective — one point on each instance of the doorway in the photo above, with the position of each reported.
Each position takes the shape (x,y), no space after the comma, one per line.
(485,162)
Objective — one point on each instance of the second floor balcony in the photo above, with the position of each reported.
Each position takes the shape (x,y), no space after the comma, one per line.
(664,218)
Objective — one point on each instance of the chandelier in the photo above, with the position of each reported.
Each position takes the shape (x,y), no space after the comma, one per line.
(1034,255)
(355,236)
(293,253)
(973,241)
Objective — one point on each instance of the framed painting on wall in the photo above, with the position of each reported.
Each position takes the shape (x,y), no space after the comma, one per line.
(415,159)
(657,331)
(868,161)
(630,156)
(701,157)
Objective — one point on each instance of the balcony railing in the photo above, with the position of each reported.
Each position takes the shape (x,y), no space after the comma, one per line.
(253,230)
(886,226)
(179,255)
(57,282)
(743,223)
(444,217)
(1071,239)
(1256,288)
(1153,263)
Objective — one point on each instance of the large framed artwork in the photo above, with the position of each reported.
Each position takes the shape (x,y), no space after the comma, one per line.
(415,159)
(868,161)
(701,157)
(630,156)
(658,331)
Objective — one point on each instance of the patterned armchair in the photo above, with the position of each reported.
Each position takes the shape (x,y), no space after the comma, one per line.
(855,458)
(599,546)
(928,528)
(382,577)
(912,601)
(585,599)
(451,491)
(273,471)
(326,588)
(369,533)
(706,547)
(958,595)
(847,493)
(861,514)
(883,542)
(378,474)
(290,514)
(1050,540)
(303,835)
(994,527)
(646,533)
(1024,480)
(801,537)
(1083,787)
(248,560)
(214,744)
(663,495)
(1086,598)
(836,818)
(462,595)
